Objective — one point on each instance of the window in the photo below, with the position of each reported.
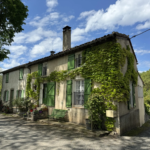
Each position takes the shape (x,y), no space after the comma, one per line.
(19,93)
(79,92)
(21,71)
(6,95)
(78,60)
(44,69)
(7,77)
(132,95)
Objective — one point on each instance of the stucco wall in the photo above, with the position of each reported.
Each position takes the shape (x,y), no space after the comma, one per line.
(141,103)
(123,109)
(128,118)
(14,82)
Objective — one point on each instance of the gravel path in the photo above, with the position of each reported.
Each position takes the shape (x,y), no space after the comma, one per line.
(16,134)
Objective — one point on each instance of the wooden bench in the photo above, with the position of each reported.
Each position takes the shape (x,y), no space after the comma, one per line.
(57,114)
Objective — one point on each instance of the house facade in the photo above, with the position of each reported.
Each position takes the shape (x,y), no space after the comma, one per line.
(72,93)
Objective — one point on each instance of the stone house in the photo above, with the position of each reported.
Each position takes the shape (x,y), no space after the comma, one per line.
(14,83)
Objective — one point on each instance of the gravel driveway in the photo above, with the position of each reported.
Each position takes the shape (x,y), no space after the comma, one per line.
(16,134)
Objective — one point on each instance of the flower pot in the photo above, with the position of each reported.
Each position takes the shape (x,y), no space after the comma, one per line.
(31,110)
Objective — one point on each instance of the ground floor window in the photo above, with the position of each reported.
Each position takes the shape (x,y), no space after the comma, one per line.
(79,92)
(6,94)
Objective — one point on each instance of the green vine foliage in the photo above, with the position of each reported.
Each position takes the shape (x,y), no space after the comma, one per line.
(101,63)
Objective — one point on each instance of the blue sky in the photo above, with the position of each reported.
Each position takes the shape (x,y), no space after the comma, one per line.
(88,19)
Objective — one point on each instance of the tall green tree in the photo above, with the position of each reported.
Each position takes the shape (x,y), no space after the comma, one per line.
(12,16)
(146,90)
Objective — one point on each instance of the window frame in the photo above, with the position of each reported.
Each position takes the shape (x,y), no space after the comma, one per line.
(20,72)
(78,78)
(5,95)
(44,66)
(19,96)
(77,57)
(131,100)
(7,74)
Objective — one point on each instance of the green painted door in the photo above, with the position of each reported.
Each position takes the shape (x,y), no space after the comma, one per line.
(51,94)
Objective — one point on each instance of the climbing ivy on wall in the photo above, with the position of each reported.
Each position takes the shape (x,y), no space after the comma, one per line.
(101,63)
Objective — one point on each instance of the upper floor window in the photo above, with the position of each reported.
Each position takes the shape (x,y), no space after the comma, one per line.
(7,77)
(21,72)
(131,102)
(78,60)
(44,69)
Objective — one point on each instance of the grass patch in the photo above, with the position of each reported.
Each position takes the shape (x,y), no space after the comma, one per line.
(139,130)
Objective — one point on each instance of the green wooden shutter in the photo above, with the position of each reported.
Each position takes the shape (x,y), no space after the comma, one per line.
(22,94)
(40,69)
(133,92)
(17,94)
(71,62)
(7,77)
(7,95)
(21,74)
(51,94)
(69,94)
(87,90)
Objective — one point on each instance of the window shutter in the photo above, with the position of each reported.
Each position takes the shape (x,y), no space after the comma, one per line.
(22,94)
(17,94)
(7,96)
(71,62)
(51,94)
(87,90)
(7,77)
(40,69)
(69,94)
(133,92)
(21,74)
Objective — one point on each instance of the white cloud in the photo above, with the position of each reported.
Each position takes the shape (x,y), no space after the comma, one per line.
(16,51)
(37,18)
(122,13)
(142,52)
(34,36)
(46,46)
(143,26)
(67,19)
(47,20)
(141,71)
(10,64)
(86,14)
(51,4)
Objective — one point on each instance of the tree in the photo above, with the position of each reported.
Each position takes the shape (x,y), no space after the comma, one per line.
(12,16)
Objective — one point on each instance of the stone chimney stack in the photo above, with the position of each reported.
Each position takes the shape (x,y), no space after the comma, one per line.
(66,38)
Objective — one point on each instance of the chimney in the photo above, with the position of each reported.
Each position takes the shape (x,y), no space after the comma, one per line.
(52,53)
(66,38)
